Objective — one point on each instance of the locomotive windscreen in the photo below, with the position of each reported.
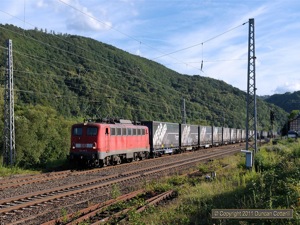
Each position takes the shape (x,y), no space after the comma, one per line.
(92,131)
(77,131)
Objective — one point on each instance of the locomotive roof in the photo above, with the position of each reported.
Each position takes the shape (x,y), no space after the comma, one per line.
(109,121)
(123,123)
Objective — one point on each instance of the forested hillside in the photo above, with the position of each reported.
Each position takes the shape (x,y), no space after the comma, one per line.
(61,78)
(288,101)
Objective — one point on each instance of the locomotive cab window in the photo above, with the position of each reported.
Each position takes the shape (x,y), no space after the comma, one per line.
(138,131)
(77,131)
(119,131)
(133,131)
(129,131)
(123,131)
(112,131)
(92,131)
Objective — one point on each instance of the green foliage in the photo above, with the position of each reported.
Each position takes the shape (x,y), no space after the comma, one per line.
(11,171)
(42,136)
(81,77)
(61,76)
(177,180)
(115,191)
(203,168)
(288,101)
(294,114)
(276,186)
(64,214)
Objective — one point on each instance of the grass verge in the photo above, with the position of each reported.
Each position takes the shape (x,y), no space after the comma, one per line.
(274,185)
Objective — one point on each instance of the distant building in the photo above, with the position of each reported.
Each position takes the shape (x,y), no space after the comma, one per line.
(294,124)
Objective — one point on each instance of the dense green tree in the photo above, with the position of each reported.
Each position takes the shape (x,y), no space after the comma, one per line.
(58,77)
(287,101)
(294,114)
(42,136)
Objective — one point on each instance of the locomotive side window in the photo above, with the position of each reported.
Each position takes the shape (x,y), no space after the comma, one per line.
(138,131)
(129,131)
(133,131)
(143,132)
(77,131)
(92,131)
(112,131)
(123,131)
(119,131)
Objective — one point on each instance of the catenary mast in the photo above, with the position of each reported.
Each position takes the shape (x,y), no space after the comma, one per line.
(9,152)
(251,123)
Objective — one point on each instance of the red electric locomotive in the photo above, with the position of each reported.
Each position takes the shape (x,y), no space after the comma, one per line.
(108,143)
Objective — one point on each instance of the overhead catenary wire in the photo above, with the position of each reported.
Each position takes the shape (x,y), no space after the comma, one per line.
(93,61)
(97,88)
(202,58)
(36,58)
(111,27)
(61,96)
(140,42)
(195,45)
(75,54)
(91,101)
(135,39)
(91,82)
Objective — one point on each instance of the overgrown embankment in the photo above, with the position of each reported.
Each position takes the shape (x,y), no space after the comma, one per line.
(274,185)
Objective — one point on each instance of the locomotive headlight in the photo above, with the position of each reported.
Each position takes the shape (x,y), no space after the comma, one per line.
(73,145)
(94,145)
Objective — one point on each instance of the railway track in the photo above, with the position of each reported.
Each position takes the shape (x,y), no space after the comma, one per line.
(37,201)
(52,176)
(46,177)
(24,180)
(111,210)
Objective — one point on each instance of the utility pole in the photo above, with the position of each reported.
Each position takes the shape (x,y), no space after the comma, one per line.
(251,123)
(9,152)
(183,112)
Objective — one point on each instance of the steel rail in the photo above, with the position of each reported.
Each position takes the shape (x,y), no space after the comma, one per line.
(20,202)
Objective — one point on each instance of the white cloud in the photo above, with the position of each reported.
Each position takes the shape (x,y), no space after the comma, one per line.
(290,86)
(42,4)
(154,28)
(81,18)
(86,22)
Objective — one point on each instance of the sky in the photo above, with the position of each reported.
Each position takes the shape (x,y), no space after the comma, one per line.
(181,34)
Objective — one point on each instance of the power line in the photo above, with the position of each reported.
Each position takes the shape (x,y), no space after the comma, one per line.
(93,61)
(94,18)
(90,81)
(195,45)
(77,55)
(79,97)
(111,27)
(37,58)
(209,61)
(133,38)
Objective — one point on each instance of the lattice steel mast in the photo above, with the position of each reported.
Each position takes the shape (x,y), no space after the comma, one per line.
(251,123)
(183,112)
(9,152)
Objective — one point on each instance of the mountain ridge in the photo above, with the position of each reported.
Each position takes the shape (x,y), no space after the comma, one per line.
(82,77)
(62,79)
(287,101)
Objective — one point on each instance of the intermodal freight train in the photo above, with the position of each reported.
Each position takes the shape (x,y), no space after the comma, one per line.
(112,142)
